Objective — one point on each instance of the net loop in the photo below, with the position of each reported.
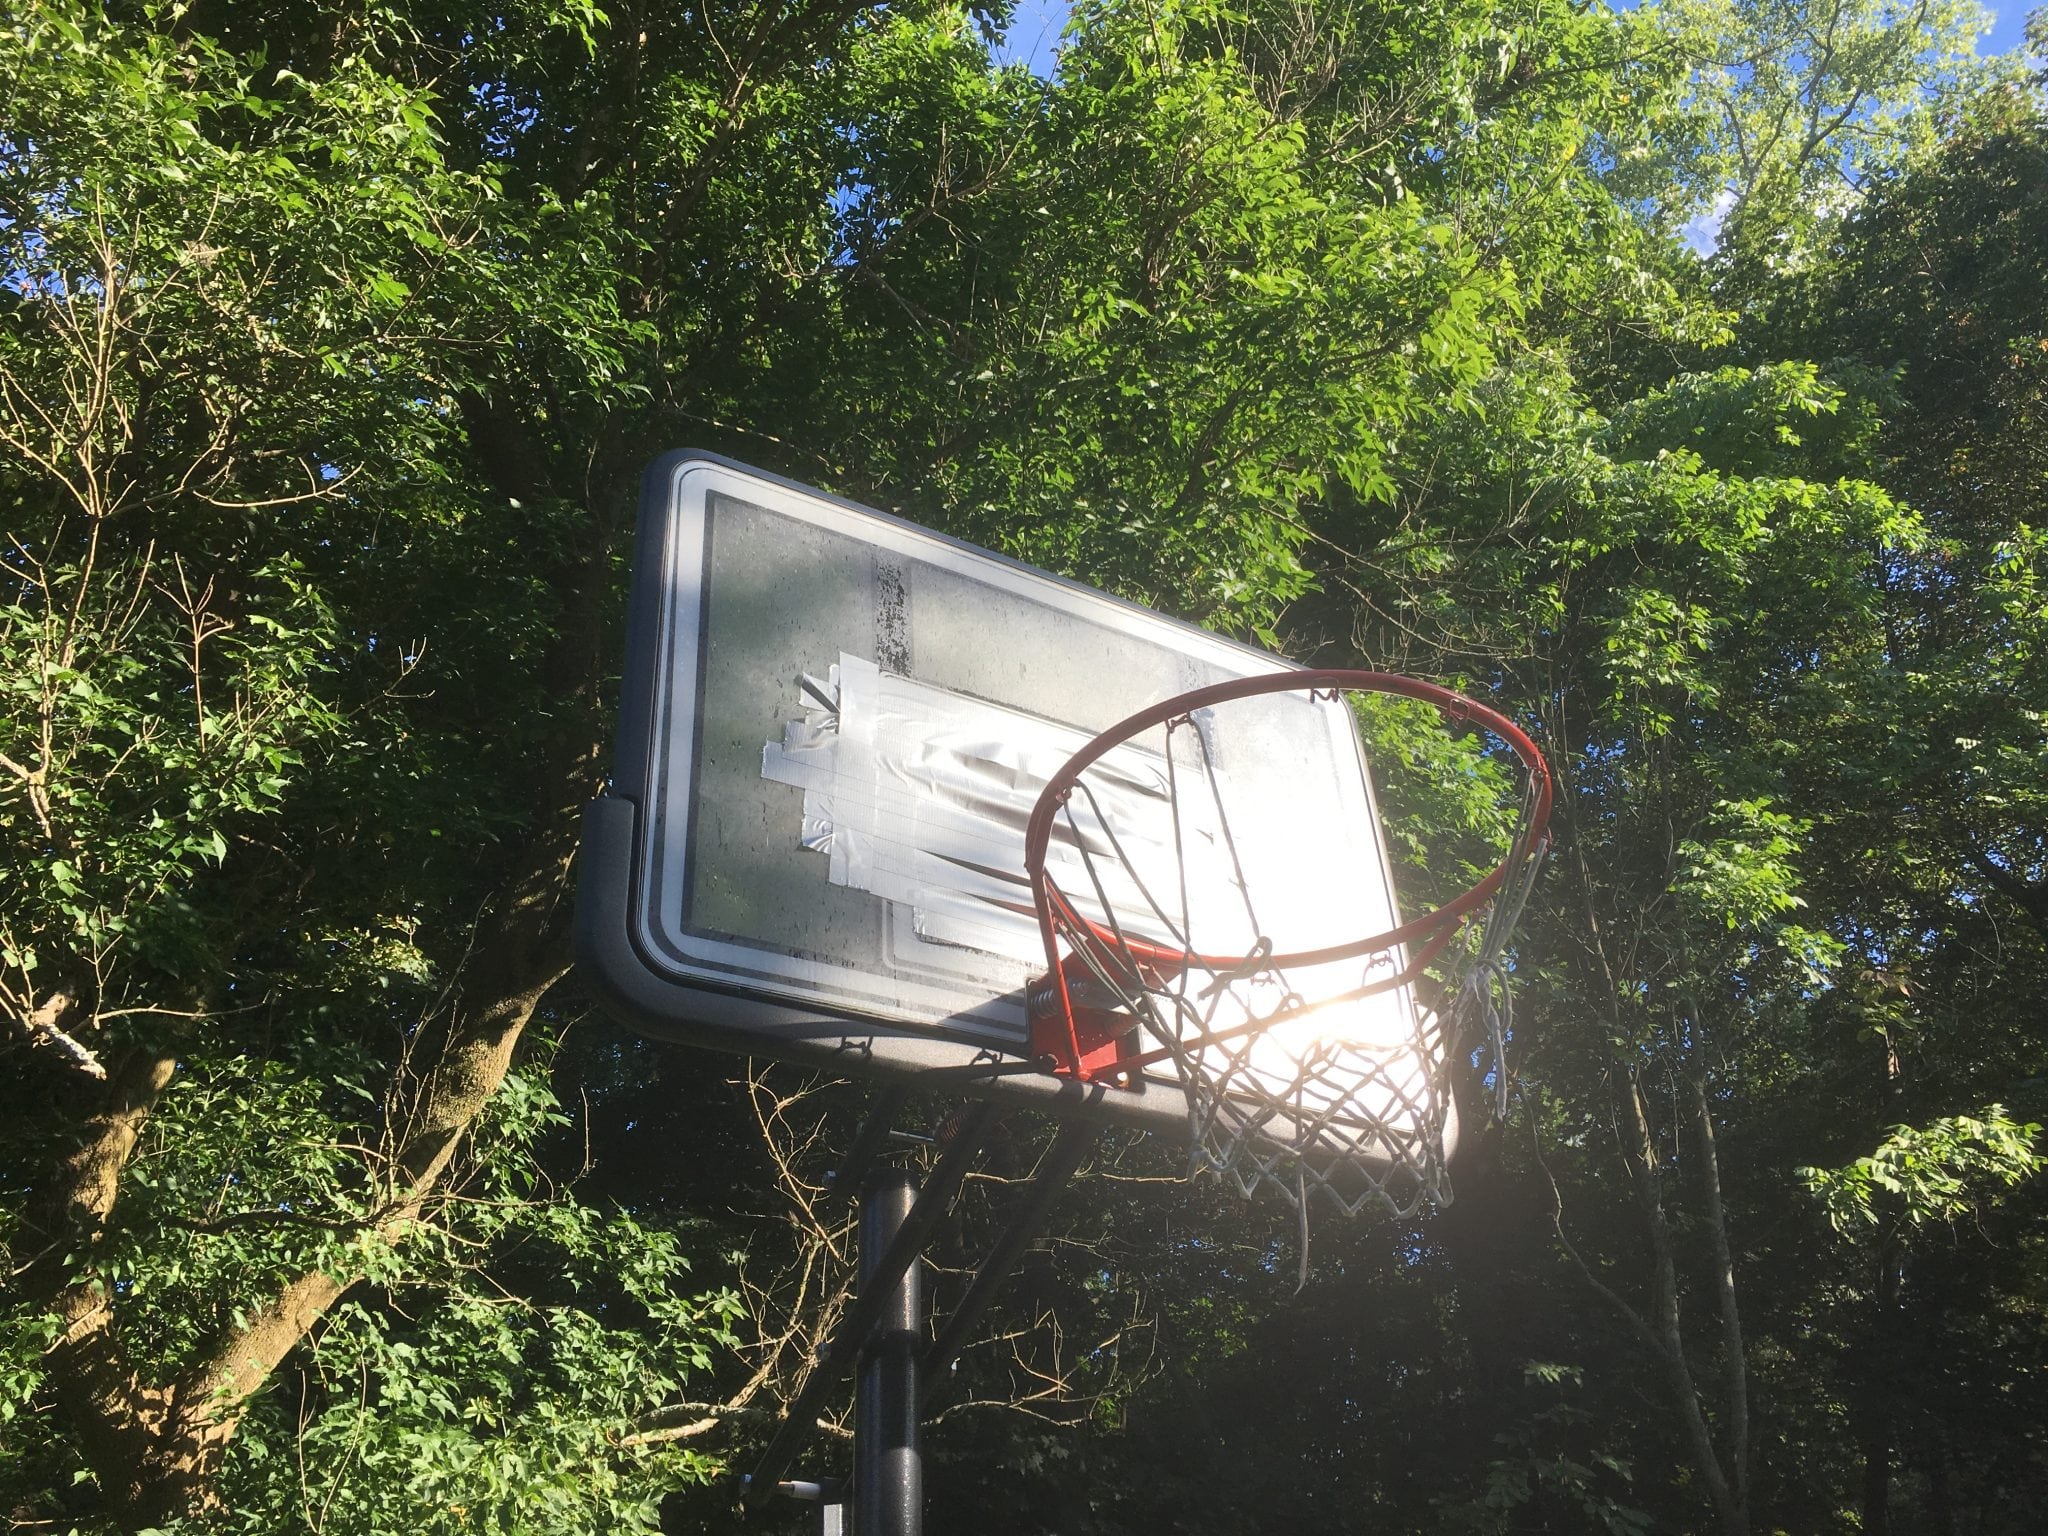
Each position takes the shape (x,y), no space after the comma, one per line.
(1257,960)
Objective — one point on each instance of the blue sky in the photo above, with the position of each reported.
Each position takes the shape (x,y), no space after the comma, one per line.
(1035,32)
(2010,22)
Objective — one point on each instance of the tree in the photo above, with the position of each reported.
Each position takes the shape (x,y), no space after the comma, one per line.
(223,399)
(1791,106)
(1935,281)
(1782,801)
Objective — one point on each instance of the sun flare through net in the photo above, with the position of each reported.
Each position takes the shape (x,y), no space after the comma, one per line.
(1309,1061)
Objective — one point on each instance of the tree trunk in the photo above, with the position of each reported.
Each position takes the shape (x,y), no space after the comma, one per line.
(1875,1412)
(1941,1501)
(1659,1325)
(1874,1439)
(155,1447)
(1730,1501)
(114,1416)
(1735,1355)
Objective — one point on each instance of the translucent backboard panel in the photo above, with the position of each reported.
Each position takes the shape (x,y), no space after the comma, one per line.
(834,728)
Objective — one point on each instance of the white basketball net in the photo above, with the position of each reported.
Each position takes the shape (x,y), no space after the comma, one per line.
(1328,1078)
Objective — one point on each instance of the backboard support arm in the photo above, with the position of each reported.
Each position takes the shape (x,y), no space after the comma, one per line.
(877,1289)
(1069,1149)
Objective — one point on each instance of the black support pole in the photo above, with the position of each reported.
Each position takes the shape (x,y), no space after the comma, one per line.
(888,1461)
(867,1141)
(849,1342)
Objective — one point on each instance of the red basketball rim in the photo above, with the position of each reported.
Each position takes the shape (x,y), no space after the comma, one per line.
(1436,926)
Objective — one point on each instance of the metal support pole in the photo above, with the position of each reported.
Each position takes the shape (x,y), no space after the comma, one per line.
(867,1141)
(888,1462)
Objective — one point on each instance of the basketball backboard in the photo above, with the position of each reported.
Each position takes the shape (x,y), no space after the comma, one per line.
(834,727)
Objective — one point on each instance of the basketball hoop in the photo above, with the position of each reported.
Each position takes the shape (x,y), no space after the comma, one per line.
(1306,1065)
(833,726)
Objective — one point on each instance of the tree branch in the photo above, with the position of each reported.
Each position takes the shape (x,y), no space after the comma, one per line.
(44,1027)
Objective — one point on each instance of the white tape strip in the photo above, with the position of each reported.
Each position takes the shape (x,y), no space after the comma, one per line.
(921,796)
